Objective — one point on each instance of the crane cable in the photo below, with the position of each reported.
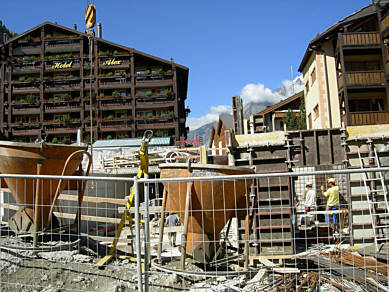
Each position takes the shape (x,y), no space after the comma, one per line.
(90,37)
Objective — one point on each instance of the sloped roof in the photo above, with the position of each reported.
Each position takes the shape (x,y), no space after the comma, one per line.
(281,103)
(364,12)
(131,142)
(85,35)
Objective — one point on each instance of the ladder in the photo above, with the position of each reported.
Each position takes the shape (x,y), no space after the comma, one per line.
(127,216)
(377,195)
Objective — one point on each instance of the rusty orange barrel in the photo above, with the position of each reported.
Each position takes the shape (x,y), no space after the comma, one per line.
(212,203)
(23,158)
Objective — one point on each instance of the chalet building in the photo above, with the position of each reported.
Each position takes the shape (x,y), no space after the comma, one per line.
(271,118)
(346,73)
(46,78)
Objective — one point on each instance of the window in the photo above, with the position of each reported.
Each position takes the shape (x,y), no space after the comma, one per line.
(309,121)
(307,87)
(363,66)
(313,76)
(316,111)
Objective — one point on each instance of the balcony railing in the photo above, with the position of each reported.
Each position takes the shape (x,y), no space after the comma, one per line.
(33,68)
(362,79)
(153,77)
(61,108)
(62,128)
(114,125)
(23,131)
(26,109)
(115,104)
(59,47)
(29,49)
(154,103)
(361,39)
(156,125)
(115,83)
(23,89)
(367,118)
(52,87)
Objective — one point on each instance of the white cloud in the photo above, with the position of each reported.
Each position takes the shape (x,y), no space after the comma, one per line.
(259,94)
(293,86)
(256,93)
(213,116)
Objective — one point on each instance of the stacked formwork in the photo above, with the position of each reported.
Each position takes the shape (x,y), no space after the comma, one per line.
(298,151)
(272,225)
(361,227)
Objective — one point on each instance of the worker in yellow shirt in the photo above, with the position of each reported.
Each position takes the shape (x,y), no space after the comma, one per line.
(333,199)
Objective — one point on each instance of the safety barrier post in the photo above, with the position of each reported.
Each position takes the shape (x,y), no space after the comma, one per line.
(137,235)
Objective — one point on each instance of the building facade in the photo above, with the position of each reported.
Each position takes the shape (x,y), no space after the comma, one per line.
(345,72)
(47,76)
(272,118)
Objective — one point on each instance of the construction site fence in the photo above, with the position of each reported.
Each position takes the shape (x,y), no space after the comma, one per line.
(207,232)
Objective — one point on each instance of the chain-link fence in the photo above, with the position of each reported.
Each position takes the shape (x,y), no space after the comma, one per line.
(198,228)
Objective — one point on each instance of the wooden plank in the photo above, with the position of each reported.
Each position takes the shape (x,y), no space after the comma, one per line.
(70,216)
(9,206)
(266,262)
(88,218)
(67,197)
(89,199)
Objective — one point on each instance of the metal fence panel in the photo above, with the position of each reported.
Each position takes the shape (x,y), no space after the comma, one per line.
(204,233)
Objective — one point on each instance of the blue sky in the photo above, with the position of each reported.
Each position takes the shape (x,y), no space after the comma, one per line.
(226,44)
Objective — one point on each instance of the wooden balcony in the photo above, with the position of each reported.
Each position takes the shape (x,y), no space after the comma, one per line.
(367,118)
(62,108)
(33,68)
(115,125)
(26,88)
(361,39)
(115,83)
(113,104)
(363,79)
(153,77)
(59,47)
(56,87)
(154,83)
(25,109)
(24,131)
(62,128)
(155,123)
(148,103)
(30,49)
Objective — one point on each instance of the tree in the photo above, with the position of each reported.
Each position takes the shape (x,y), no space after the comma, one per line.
(302,119)
(294,122)
(290,120)
(8,32)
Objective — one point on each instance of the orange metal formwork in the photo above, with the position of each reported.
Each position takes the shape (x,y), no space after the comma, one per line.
(23,158)
(212,203)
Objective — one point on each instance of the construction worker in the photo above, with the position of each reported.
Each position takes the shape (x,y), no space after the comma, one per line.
(310,198)
(171,221)
(333,199)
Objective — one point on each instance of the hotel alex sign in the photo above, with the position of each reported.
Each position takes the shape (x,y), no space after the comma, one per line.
(62,65)
(112,62)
